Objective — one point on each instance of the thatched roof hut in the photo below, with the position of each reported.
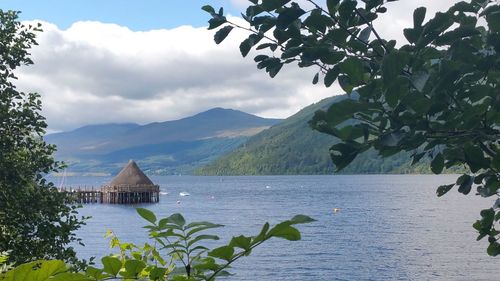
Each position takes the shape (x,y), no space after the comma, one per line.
(132,186)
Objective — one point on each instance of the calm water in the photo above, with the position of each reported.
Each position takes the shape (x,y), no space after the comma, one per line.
(390,227)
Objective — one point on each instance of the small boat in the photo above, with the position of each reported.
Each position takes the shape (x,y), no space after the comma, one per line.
(184,193)
(163,193)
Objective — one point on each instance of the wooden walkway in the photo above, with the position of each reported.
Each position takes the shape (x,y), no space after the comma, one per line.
(90,196)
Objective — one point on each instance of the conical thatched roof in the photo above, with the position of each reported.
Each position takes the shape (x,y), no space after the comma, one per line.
(131,175)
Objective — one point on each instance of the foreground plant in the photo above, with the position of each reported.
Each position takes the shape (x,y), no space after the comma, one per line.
(35,221)
(175,254)
(436,97)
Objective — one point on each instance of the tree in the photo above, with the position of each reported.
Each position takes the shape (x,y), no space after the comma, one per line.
(437,96)
(35,221)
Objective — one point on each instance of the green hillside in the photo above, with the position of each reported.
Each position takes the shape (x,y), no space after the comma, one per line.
(292,147)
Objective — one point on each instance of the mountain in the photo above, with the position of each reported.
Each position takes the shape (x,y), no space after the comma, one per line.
(292,147)
(169,147)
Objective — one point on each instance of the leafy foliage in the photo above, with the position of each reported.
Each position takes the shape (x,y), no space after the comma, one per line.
(185,258)
(435,97)
(35,221)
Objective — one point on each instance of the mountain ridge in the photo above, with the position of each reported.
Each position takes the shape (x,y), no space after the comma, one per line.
(103,147)
(292,147)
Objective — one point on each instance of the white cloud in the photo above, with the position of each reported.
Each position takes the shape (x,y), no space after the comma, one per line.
(100,73)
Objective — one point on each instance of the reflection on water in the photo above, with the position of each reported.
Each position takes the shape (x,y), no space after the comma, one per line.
(388,227)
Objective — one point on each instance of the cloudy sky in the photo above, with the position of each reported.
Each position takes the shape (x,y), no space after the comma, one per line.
(145,61)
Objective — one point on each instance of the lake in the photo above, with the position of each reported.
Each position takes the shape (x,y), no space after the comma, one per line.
(390,227)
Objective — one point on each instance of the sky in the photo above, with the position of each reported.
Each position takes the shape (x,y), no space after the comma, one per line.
(116,61)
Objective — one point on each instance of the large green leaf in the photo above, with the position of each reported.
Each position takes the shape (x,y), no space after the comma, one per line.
(354,69)
(177,219)
(437,164)
(443,189)
(464,183)
(298,219)
(222,33)
(393,65)
(224,253)
(35,271)
(332,6)
(147,215)
(242,242)
(133,268)
(289,15)
(418,16)
(285,231)
(112,265)
(474,157)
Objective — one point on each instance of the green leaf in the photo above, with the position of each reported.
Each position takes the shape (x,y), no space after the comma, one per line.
(332,6)
(437,164)
(345,83)
(331,76)
(133,268)
(216,22)
(418,16)
(177,219)
(315,79)
(289,15)
(147,215)
(202,237)
(209,9)
(354,69)
(222,33)
(203,227)
(112,265)
(224,253)
(493,17)
(343,154)
(393,65)
(242,242)
(269,5)
(292,52)
(464,183)
(474,157)
(247,44)
(157,273)
(443,189)
(493,249)
(262,234)
(365,34)
(285,231)
(299,219)
(35,271)
(346,10)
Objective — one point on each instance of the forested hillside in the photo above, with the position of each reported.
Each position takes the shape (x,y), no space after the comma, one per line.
(292,147)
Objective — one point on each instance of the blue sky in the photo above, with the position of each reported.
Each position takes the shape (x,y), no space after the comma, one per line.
(136,15)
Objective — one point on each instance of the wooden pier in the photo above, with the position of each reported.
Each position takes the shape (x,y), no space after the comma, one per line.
(99,196)
(130,186)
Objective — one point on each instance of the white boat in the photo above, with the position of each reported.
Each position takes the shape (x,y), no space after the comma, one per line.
(163,193)
(184,193)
